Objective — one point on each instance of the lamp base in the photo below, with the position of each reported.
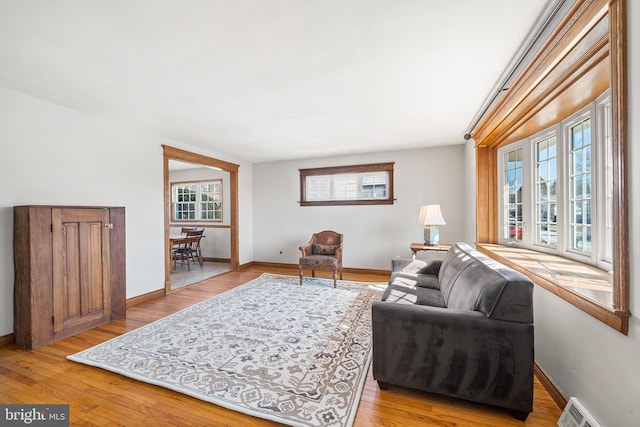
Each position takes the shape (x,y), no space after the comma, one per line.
(431,235)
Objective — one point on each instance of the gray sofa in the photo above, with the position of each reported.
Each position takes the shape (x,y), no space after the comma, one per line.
(460,327)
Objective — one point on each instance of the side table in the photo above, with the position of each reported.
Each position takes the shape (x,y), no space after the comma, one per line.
(416,247)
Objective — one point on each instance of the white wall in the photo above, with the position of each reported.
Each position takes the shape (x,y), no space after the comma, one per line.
(584,357)
(53,155)
(372,234)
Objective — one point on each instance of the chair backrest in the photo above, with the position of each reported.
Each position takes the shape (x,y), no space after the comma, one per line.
(193,238)
(326,242)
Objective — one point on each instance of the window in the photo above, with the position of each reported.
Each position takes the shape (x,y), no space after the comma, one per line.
(538,98)
(546,192)
(514,224)
(580,185)
(197,201)
(561,205)
(347,185)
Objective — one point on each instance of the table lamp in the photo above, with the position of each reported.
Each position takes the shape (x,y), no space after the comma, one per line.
(431,217)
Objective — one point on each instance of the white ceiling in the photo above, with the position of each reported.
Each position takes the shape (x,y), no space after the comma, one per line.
(264,80)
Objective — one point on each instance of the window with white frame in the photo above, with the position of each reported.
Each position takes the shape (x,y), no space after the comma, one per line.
(197,201)
(546,192)
(514,224)
(580,186)
(561,182)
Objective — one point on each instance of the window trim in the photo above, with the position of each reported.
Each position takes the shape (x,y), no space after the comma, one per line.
(172,201)
(335,170)
(546,90)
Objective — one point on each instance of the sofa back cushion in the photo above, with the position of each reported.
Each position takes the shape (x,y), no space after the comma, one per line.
(472,281)
(454,263)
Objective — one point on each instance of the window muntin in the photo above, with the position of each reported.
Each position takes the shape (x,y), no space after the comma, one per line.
(346,185)
(197,201)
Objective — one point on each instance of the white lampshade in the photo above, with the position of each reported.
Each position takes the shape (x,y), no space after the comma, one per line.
(431,215)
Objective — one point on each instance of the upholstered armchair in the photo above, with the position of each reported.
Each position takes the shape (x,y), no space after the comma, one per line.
(323,252)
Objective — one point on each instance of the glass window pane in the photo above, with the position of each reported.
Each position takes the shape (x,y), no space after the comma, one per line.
(577,238)
(552,147)
(577,162)
(576,137)
(577,187)
(542,150)
(543,172)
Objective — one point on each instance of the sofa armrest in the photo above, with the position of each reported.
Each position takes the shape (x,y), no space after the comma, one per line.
(456,353)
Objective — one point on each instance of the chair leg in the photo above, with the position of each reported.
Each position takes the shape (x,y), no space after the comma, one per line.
(301,274)
(335,276)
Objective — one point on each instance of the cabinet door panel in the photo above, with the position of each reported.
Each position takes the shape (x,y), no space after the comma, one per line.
(81,268)
(70,253)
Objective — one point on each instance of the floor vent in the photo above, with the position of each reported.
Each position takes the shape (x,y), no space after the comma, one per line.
(575,415)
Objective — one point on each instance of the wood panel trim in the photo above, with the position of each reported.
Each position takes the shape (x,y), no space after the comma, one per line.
(267,265)
(617,319)
(193,224)
(621,202)
(190,157)
(172,153)
(6,340)
(550,68)
(549,385)
(144,297)
(333,170)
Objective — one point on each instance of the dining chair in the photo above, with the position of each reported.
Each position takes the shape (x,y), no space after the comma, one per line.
(194,251)
(188,250)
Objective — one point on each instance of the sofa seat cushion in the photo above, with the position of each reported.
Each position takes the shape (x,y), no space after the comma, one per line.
(406,293)
(430,297)
(400,293)
(319,261)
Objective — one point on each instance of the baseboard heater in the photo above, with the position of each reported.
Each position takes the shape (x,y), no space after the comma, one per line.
(575,415)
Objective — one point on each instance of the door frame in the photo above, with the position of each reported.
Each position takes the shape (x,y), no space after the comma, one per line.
(172,153)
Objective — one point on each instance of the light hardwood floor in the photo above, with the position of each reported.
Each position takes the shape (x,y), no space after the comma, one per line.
(98,397)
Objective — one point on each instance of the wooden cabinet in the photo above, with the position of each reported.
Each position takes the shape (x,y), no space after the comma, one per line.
(70,271)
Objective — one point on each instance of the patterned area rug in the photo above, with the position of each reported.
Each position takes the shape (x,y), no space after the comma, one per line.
(298,355)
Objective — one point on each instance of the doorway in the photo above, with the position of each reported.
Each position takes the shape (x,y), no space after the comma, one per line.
(171,153)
